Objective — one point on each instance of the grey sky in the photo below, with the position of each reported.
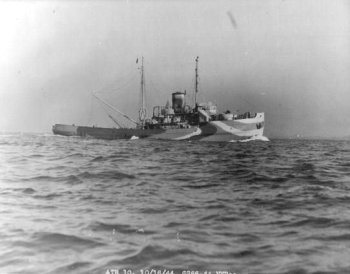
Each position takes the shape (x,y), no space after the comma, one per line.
(290,59)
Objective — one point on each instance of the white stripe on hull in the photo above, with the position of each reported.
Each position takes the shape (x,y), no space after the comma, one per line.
(224,128)
(238,129)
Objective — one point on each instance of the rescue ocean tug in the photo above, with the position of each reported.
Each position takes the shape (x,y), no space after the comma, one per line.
(177,121)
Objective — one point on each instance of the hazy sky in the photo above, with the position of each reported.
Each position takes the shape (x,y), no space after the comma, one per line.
(290,59)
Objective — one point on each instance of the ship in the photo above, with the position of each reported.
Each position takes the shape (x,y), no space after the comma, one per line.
(176,121)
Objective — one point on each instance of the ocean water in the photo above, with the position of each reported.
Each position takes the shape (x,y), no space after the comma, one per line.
(73,205)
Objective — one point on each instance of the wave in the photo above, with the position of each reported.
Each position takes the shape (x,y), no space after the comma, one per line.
(118,228)
(59,240)
(153,210)
(69,179)
(151,254)
(93,205)
(98,159)
(108,174)
(49,196)
(195,186)
(76,267)
(28,190)
(81,177)
(315,222)
(253,138)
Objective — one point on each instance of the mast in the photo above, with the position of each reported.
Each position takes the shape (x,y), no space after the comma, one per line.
(196,83)
(142,111)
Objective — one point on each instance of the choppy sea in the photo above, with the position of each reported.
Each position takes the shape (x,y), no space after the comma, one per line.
(73,205)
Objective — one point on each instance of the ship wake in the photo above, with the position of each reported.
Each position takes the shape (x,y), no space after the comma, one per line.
(253,138)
